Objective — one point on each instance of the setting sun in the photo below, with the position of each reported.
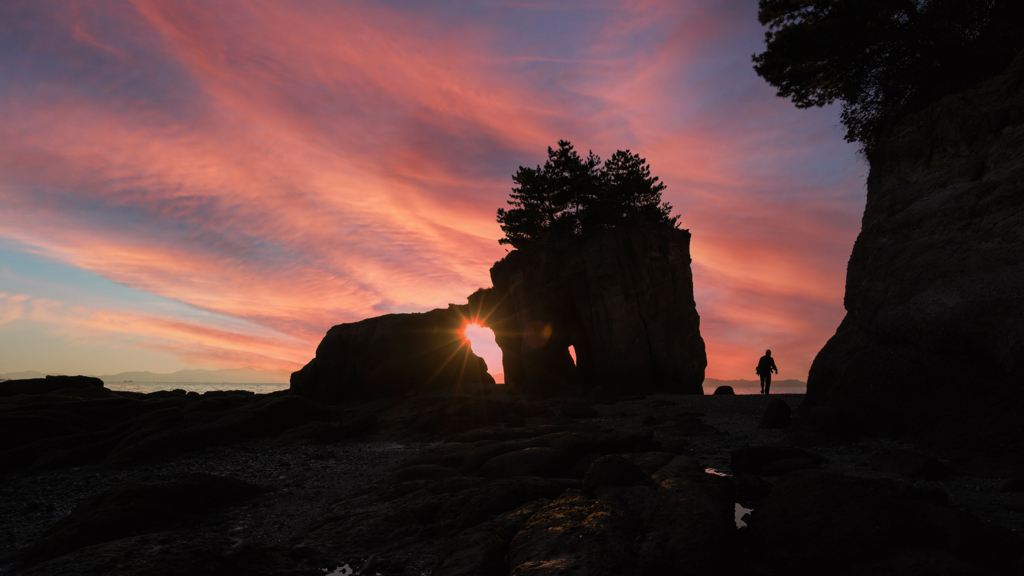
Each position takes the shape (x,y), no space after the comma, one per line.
(481,341)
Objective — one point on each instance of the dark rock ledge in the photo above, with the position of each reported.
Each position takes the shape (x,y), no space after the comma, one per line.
(96,481)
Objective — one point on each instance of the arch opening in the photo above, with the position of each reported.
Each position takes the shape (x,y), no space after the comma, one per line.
(482,342)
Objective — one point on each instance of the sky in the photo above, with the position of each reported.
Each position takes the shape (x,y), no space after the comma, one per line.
(214,184)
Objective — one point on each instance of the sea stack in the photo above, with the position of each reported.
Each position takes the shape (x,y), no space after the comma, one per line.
(622,298)
(933,341)
(393,355)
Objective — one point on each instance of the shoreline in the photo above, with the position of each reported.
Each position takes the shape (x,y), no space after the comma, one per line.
(306,483)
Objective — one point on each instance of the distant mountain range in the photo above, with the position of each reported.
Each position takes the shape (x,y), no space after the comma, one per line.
(712,382)
(226,376)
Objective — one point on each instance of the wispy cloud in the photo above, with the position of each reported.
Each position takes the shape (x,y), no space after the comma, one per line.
(296,165)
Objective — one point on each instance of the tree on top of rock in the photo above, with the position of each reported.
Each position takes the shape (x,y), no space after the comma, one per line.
(883,59)
(571,196)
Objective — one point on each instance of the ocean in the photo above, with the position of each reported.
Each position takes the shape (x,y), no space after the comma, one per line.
(200,387)
(744,390)
(264,388)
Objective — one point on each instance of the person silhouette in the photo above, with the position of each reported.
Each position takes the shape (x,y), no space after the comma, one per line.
(764,369)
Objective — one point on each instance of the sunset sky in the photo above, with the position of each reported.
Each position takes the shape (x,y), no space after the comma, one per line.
(191,184)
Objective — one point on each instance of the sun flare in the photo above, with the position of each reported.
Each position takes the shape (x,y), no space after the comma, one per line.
(481,342)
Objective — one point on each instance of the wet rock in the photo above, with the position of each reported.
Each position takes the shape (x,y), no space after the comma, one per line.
(907,463)
(568,447)
(137,509)
(650,462)
(539,461)
(753,459)
(776,415)
(575,535)
(688,523)
(613,470)
(483,549)
(816,522)
(724,390)
(389,517)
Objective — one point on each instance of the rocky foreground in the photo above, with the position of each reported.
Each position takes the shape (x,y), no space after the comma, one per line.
(102,482)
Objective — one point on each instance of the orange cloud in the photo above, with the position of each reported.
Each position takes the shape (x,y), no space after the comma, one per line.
(295,165)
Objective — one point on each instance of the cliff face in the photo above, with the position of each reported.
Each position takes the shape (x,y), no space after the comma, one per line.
(391,355)
(933,340)
(622,298)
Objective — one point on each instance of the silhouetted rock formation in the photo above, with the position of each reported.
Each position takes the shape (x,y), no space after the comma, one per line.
(391,355)
(931,343)
(623,299)
(48,384)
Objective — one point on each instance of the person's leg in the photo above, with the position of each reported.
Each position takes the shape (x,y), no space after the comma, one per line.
(762,383)
(767,382)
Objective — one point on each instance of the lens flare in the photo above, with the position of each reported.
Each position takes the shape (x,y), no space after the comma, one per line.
(481,341)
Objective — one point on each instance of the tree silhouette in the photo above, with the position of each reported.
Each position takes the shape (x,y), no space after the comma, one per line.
(883,59)
(571,196)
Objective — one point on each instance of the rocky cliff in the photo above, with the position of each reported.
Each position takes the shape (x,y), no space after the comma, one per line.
(623,299)
(933,341)
(391,355)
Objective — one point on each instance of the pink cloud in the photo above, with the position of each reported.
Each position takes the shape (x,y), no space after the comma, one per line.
(296,165)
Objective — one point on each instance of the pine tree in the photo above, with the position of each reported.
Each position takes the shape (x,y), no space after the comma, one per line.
(570,196)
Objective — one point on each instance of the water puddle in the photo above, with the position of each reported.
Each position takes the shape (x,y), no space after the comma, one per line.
(740,513)
(715,472)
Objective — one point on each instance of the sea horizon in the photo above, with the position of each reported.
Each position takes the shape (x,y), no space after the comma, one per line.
(268,387)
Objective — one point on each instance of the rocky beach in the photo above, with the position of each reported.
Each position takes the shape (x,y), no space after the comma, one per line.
(491,483)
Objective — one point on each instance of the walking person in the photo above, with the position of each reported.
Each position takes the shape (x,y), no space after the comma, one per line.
(764,369)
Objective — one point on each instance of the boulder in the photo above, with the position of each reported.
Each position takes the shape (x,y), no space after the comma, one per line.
(931,343)
(393,355)
(613,470)
(537,461)
(689,522)
(575,535)
(48,385)
(622,298)
(776,415)
(724,391)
